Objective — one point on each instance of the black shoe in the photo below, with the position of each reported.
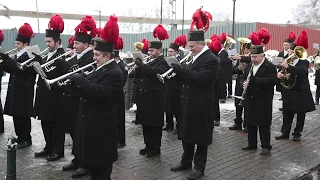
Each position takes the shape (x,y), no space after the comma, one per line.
(181,167)
(175,131)
(280,109)
(143,151)
(248,148)
(55,156)
(245,130)
(316,103)
(168,128)
(42,153)
(195,174)
(282,136)
(296,139)
(216,123)
(24,144)
(235,127)
(121,145)
(70,167)
(134,121)
(153,153)
(265,152)
(222,101)
(229,96)
(280,99)
(1,130)
(80,173)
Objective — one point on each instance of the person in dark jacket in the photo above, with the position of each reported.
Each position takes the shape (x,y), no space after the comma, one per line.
(196,105)
(1,74)
(121,103)
(259,81)
(97,112)
(19,100)
(150,103)
(69,106)
(317,83)
(297,100)
(47,101)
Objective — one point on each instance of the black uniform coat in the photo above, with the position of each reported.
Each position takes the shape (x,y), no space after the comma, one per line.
(120,103)
(196,102)
(172,94)
(96,134)
(278,85)
(226,64)
(47,102)
(70,98)
(239,81)
(299,98)
(259,94)
(19,100)
(317,79)
(150,102)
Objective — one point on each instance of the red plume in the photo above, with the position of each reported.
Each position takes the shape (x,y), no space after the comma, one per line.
(99,31)
(303,40)
(110,32)
(264,35)
(255,38)
(160,32)
(215,36)
(201,19)
(292,36)
(215,45)
(1,36)
(181,41)
(119,44)
(26,30)
(71,40)
(223,37)
(87,25)
(145,44)
(56,23)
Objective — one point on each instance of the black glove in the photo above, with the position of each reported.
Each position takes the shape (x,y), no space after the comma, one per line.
(139,62)
(4,56)
(37,58)
(76,76)
(177,68)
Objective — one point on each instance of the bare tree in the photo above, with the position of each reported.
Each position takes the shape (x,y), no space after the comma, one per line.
(307,12)
(222,16)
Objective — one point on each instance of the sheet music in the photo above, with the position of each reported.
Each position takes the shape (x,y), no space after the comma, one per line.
(137,54)
(276,60)
(172,60)
(33,49)
(232,52)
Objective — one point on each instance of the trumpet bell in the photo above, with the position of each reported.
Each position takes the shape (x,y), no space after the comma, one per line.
(244,40)
(138,45)
(208,41)
(228,43)
(299,52)
(316,63)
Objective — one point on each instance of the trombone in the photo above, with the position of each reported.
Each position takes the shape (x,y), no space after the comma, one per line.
(46,65)
(56,80)
(22,65)
(166,74)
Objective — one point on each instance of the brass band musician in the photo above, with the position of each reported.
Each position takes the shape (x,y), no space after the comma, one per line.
(1,74)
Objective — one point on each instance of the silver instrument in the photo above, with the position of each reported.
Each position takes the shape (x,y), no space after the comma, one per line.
(47,66)
(244,92)
(21,66)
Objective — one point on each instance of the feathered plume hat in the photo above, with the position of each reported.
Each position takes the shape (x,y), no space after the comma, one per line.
(180,41)
(291,38)
(200,19)
(70,42)
(1,36)
(160,33)
(264,36)
(215,45)
(118,46)
(86,30)
(255,39)
(303,40)
(25,33)
(109,36)
(55,26)
(98,36)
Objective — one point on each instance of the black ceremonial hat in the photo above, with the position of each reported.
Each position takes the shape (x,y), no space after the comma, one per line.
(256,49)
(196,36)
(174,46)
(103,46)
(52,33)
(155,44)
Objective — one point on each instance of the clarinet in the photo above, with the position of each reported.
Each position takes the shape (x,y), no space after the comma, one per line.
(244,92)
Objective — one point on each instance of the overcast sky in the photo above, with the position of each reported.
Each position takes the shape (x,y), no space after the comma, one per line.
(271,11)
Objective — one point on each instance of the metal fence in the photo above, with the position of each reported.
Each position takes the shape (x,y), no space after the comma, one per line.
(241,30)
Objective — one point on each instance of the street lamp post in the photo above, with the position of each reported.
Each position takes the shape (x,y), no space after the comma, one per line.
(182,16)
(161,11)
(233,19)
(38,16)
(99,11)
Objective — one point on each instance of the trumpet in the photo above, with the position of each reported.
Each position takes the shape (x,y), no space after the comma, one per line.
(55,80)
(162,76)
(15,49)
(46,66)
(132,66)
(22,65)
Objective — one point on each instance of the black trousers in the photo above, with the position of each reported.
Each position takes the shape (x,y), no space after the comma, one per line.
(54,137)
(287,122)
(152,137)
(22,127)
(238,120)
(74,160)
(199,158)
(100,173)
(318,93)
(216,107)
(229,83)
(265,134)
(169,120)
(122,133)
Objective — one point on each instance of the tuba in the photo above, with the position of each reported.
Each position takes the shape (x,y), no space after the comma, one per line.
(138,45)
(228,43)
(243,43)
(289,81)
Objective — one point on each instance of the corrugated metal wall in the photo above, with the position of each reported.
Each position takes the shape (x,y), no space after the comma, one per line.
(129,39)
(279,33)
